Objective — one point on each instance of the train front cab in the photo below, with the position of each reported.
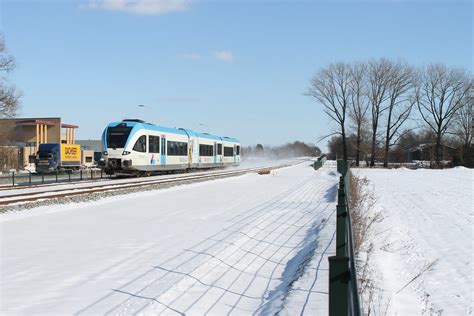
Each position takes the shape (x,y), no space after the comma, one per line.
(143,148)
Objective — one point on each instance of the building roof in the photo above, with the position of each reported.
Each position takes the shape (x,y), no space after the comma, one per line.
(69,126)
(34,122)
(45,121)
(427,145)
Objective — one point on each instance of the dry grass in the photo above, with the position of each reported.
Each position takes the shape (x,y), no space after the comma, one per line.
(364,219)
(362,212)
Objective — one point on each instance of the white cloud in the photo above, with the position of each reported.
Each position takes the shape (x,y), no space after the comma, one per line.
(144,7)
(192,56)
(224,55)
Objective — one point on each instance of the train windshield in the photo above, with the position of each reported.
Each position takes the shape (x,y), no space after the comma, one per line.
(117,136)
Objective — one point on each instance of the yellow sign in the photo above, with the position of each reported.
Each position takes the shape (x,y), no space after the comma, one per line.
(70,152)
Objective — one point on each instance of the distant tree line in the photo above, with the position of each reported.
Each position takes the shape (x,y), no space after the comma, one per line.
(294,149)
(379,106)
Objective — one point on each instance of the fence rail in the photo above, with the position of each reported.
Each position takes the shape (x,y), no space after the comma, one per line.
(30,178)
(343,291)
(319,162)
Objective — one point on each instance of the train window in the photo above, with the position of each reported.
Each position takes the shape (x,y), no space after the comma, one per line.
(206,150)
(177,148)
(117,136)
(228,151)
(153,144)
(140,145)
(219,149)
(238,150)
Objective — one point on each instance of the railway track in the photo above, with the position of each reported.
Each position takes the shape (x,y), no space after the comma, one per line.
(44,194)
(9,187)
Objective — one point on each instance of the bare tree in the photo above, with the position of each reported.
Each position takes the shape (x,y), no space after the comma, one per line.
(359,102)
(330,87)
(9,95)
(440,95)
(378,81)
(400,102)
(463,119)
(463,128)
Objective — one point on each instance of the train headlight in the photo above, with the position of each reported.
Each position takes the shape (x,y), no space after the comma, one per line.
(125,153)
(105,153)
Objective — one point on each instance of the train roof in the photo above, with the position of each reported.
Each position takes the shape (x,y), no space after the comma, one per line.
(230,139)
(180,131)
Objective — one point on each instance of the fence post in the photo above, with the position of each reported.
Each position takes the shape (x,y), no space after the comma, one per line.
(101,173)
(42,177)
(92,174)
(13,178)
(56,176)
(80,172)
(341,231)
(338,285)
(29,178)
(342,167)
(69,176)
(341,193)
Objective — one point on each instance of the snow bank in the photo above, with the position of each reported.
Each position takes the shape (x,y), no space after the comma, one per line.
(424,249)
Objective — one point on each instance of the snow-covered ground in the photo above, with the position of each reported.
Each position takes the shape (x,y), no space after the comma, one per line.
(245,245)
(424,245)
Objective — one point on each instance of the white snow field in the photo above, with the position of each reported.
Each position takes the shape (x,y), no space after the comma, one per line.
(244,245)
(427,226)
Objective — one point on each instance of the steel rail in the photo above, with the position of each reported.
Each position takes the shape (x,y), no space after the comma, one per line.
(67,192)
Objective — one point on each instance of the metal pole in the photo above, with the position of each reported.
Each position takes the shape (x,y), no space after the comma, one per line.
(29,178)
(80,172)
(338,286)
(13,178)
(92,174)
(56,176)
(42,177)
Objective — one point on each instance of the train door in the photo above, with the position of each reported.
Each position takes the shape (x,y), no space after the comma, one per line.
(215,152)
(190,153)
(220,153)
(163,150)
(195,151)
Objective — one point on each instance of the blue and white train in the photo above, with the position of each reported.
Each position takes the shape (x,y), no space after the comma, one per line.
(135,147)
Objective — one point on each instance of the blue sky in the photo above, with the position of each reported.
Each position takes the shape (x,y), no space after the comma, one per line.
(239,67)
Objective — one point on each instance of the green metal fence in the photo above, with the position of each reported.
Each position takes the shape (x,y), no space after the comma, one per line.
(319,162)
(343,291)
(29,178)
